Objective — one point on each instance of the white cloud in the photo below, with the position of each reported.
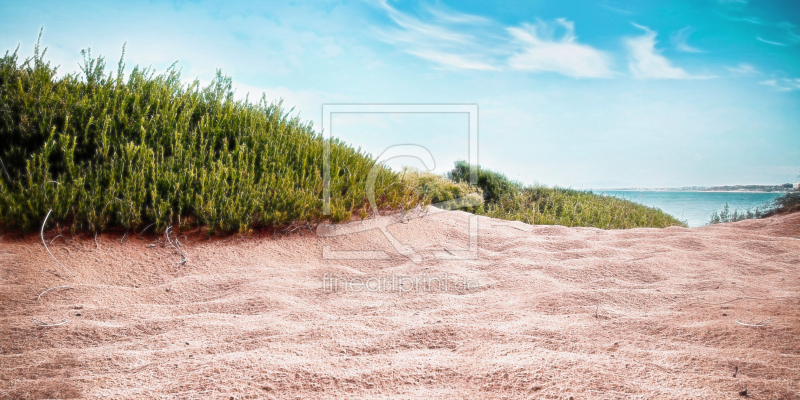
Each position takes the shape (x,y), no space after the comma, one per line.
(452,60)
(679,41)
(618,10)
(543,52)
(789,32)
(743,69)
(440,40)
(770,42)
(463,41)
(783,85)
(456,17)
(646,62)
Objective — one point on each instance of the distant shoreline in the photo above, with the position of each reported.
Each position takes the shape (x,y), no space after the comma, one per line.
(779,188)
(688,191)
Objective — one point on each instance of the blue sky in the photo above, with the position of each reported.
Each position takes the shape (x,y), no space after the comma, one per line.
(579,93)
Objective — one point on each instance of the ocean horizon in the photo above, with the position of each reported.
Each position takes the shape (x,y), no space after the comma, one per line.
(695,207)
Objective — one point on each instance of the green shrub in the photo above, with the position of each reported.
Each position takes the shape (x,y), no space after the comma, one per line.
(537,204)
(101,151)
(433,188)
(492,184)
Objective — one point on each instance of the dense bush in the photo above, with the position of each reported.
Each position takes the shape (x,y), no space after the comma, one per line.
(438,189)
(537,204)
(101,150)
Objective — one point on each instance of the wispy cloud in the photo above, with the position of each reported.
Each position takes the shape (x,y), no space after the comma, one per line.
(543,51)
(457,17)
(743,69)
(679,39)
(789,31)
(463,41)
(452,60)
(647,62)
(770,42)
(778,33)
(443,39)
(618,10)
(784,84)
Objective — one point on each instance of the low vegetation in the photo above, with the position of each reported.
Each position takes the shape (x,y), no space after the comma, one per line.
(537,204)
(785,203)
(99,149)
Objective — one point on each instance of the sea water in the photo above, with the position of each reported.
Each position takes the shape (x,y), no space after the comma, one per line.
(695,207)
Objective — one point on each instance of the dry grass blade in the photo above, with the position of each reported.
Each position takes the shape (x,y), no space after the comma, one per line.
(53,239)
(730,301)
(44,324)
(184,259)
(45,244)
(52,288)
(762,323)
(146,228)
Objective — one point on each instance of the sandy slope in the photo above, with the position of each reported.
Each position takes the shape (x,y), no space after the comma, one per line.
(557,312)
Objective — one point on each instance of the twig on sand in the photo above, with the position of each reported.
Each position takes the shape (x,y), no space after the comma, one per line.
(762,323)
(96,246)
(731,301)
(53,239)
(123,237)
(512,226)
(146,228)
(658,366)
(52,288)
(42,324)
(166,233)
(45,244)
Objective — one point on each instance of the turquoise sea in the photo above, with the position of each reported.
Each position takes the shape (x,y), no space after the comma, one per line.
(694,207)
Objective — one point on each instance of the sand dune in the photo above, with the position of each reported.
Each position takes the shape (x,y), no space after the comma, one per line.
(546,312)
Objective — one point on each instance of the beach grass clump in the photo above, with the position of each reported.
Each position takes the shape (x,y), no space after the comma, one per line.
(436,189)
(725,215)
(538,204)
(786,203)
(103,150)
